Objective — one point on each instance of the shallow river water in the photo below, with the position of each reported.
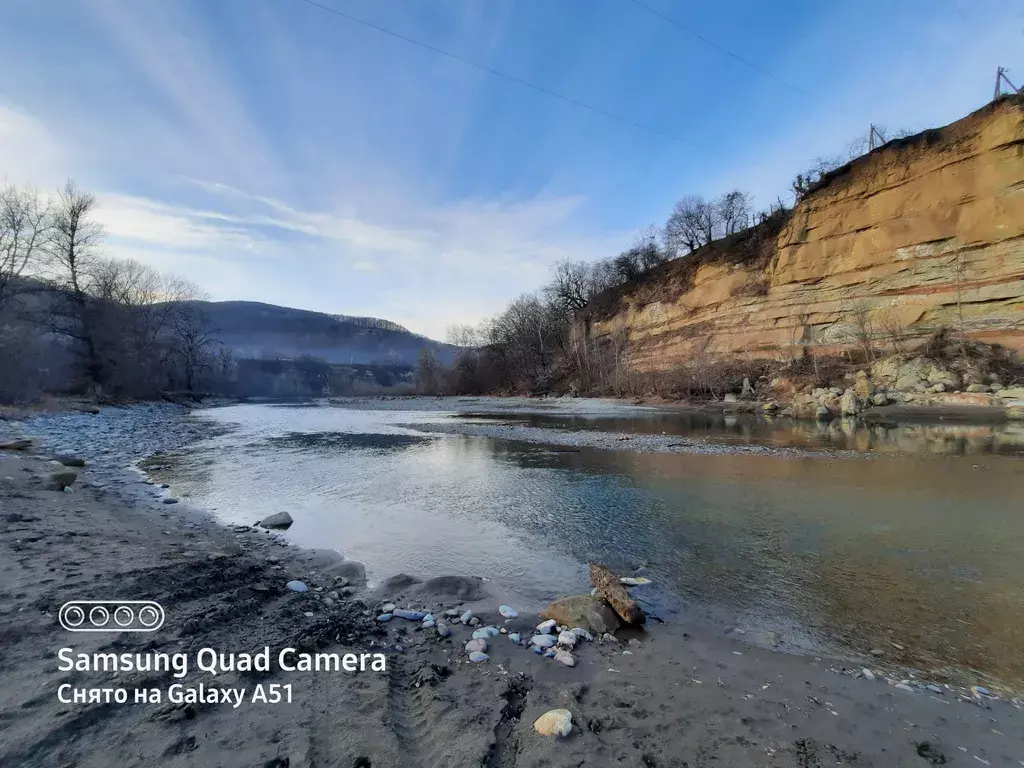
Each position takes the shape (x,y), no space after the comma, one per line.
(907,540)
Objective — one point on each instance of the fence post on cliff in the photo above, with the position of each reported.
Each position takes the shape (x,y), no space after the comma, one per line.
(1000,78)
(874,132)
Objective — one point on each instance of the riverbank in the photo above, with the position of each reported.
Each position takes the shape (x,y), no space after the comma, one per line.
(675,695)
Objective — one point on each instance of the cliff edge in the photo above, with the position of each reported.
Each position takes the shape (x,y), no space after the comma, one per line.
(922,233)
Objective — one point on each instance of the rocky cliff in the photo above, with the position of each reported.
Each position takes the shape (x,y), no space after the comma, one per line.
(921,233)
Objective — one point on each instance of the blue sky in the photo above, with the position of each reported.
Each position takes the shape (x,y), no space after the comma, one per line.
(271,151)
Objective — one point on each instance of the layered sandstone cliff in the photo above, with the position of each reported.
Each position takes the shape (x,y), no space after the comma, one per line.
(921,233)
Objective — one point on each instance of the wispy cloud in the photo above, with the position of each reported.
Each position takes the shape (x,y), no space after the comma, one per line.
(273,152)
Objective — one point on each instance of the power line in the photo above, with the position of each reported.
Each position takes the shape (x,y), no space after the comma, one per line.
(726,51)
(495,72)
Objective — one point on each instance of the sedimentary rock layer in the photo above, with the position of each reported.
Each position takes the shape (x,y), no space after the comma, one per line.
(921,233)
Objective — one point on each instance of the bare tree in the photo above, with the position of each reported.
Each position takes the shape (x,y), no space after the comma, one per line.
(428,371)
(467,336)
(193,341)
(733,212)
(571,285)
(24,228)
(73,251)
(693,223)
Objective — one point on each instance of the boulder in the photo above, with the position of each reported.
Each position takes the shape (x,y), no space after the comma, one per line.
(352,570)
(978,388)
(1015,413)
(747,391)
(936,374)
(804,406)
(822,413)
(70,461)
(557,722)
(880,399)
(63,478)
(848,405)
(907,383)
(1014,393)
(279,520)
(583,611)
(18,444)
(730,398)
(862,386)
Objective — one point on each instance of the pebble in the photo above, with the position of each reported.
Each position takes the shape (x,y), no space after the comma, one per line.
(538,650)
(627,653)
(333,595)
(543,641)
(568,638)
(581,632)
(508,611)
(546,627)
(399,648)
(515,638)
(549,654)
(478,644)
(935,688)
(429,617)
(443,630)
(903,687)
(297,586)
(868,673)
(478,656)
(564,657)
(486,632)
(428,623)
(308,614)
(401,613)
(474,622)
(466,617)
(556,722)
(452,613)
(69,489)
(169,500)
(384,617)
(328,601)
(388,608)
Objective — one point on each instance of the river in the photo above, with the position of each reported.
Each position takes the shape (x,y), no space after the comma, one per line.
(812,538)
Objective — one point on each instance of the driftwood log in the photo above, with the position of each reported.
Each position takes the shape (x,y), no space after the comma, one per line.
(609,588)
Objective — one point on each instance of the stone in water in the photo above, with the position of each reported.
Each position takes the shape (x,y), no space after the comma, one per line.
(297,586)
(401,613)
(508,611)
(546,627)
(565,658)
(543,641)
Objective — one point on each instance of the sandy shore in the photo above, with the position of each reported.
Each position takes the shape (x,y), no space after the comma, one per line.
(676,696)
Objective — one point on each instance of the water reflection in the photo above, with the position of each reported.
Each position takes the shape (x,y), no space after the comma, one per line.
(917,549)
(838,434)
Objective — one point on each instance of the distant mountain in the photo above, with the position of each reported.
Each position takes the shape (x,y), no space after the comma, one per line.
(254,330)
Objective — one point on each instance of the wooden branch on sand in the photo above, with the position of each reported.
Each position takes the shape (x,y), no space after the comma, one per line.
(609,588)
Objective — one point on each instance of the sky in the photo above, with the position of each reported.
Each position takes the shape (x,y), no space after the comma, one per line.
(270,150)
